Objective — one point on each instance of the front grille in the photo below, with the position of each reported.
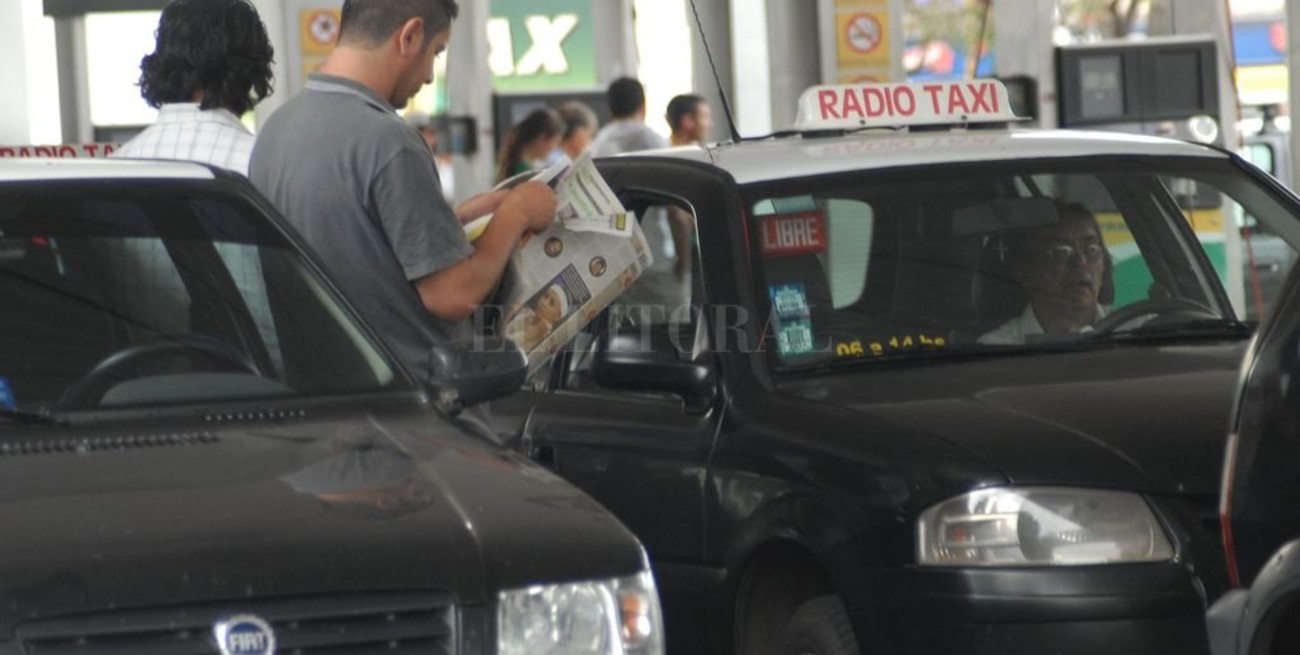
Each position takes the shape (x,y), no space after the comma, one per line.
(356,624)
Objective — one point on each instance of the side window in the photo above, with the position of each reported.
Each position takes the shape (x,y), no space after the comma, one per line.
(1249,255)
(665,305)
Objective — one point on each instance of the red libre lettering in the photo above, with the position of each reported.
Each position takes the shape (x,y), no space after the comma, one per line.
(827,99)
(794,234)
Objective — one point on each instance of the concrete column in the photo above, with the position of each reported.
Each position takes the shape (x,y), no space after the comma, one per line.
(74,84)
(615,39)
(1025,47)
(793,27)
(14,126)
(469,87)
(715,16)
(752,76)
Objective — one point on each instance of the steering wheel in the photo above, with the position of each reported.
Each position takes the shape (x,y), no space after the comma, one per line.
(1146,311)
(92,386)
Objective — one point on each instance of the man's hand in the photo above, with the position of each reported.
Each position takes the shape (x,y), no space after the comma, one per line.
(533,203)
(480,205)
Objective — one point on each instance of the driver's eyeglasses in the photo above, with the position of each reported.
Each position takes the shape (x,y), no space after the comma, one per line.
(1059,253)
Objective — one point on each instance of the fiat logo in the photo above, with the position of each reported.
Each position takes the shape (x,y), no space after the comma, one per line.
(244,634)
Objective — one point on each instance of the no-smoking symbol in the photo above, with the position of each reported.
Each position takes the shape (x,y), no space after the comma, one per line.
(324,28)
(863,33)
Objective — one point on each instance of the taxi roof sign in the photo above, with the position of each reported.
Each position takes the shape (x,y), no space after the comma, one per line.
(935,104)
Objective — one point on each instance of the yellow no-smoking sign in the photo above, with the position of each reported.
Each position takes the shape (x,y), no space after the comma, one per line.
(319,29)
(863,38)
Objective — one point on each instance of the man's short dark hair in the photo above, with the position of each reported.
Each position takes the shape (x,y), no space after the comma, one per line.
(680,107)
(372,21)
(626,97)
(219,47)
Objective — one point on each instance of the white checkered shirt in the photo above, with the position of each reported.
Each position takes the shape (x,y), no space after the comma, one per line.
(215,137)
(183,131)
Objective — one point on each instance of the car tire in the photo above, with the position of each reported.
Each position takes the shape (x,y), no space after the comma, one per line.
(819,627)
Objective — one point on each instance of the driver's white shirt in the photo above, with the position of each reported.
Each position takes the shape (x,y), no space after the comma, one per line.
(1017,331)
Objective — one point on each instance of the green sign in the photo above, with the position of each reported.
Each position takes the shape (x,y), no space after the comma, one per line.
(539,45)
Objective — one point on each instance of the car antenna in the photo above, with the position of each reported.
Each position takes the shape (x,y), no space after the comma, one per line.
(722,93)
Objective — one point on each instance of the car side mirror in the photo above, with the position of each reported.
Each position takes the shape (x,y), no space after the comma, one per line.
(473,371)
(645,358)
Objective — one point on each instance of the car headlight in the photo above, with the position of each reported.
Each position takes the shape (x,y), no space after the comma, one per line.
(1041,526)
(609,617)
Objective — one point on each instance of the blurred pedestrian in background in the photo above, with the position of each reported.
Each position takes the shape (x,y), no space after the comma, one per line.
(529,142)
(627,132)
(690,119)
(580,127)
(666,285)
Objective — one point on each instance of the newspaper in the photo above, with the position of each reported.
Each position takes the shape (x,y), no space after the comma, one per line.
(561,279)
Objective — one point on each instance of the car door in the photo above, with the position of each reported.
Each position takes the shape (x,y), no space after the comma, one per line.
(641,452)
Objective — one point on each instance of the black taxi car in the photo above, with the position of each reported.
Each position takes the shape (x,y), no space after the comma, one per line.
(1260,502)
(204,450)
(934,385)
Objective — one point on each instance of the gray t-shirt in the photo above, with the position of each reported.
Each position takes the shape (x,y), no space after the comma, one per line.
(623,136)
(360,186)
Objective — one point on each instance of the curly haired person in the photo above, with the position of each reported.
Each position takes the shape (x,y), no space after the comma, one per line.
(211,64)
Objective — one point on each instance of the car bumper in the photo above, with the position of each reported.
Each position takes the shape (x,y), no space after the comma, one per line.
(1244,619)
(1116,610)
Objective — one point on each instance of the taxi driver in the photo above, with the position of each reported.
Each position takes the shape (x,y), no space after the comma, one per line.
(1062,269)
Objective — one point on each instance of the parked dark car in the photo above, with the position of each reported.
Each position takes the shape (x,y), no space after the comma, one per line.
(204,450)
(1261,494)
(834,445)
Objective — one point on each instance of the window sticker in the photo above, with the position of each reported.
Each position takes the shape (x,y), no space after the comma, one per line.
(793,234)
(7,400)
(789,301)
(795,338)
(856,349)
(794,329)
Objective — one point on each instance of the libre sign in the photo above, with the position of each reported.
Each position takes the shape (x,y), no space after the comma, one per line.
(535,46)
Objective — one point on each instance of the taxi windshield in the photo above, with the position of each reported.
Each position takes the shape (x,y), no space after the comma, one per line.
(992,257)
(160,295)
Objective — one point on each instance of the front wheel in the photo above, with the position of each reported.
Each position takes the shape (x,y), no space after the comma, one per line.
(819,627)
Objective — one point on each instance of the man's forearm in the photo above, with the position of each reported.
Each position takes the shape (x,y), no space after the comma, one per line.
(480,205)
(453,293)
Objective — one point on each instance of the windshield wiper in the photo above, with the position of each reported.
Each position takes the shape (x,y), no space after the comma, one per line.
(1207,329)
(19,417)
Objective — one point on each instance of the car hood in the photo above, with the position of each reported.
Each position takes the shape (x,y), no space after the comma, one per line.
(136,517)
(1143,418)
